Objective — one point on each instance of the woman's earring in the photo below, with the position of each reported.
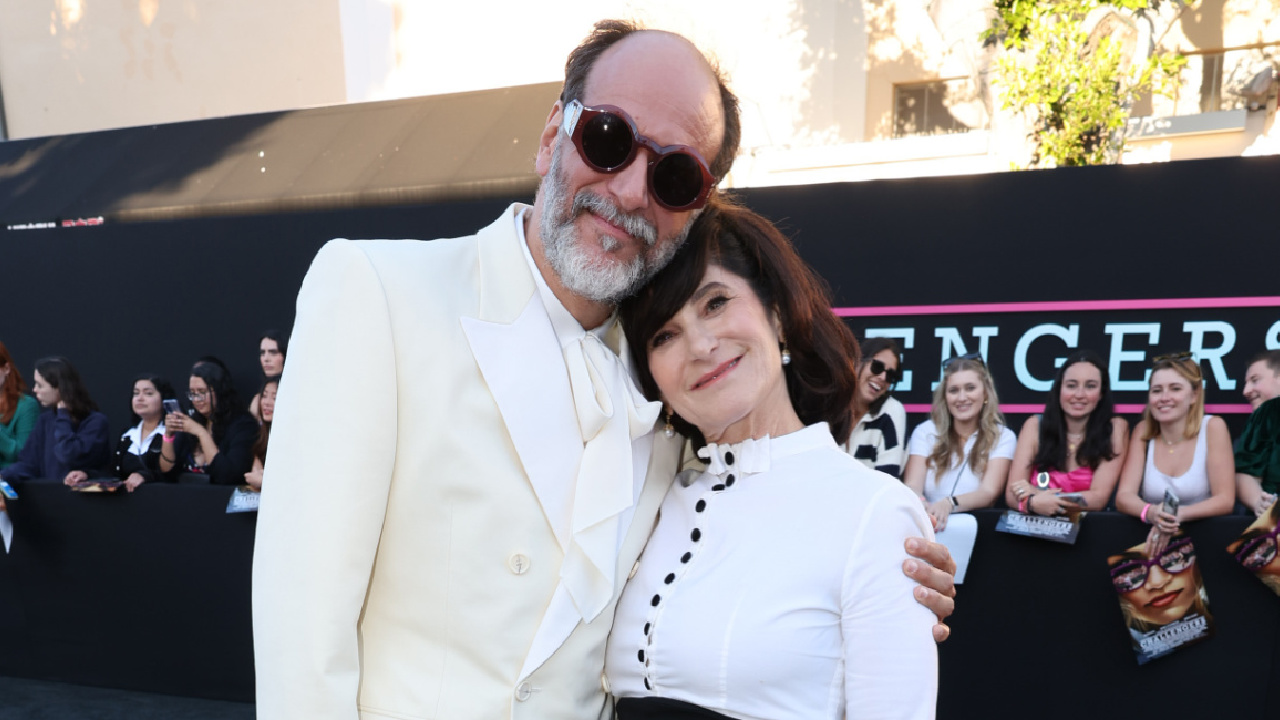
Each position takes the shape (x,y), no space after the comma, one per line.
(667,429)
(786,355)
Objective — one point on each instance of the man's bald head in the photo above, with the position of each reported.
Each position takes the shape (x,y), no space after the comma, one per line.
(607,34)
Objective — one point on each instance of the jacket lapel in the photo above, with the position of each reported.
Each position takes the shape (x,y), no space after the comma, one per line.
(518,354)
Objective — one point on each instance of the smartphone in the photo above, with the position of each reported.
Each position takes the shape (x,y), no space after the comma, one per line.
(172,407)
(1171,502)
(1077,498)
(7,490)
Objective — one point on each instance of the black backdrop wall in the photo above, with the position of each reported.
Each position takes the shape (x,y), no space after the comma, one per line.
(119,299)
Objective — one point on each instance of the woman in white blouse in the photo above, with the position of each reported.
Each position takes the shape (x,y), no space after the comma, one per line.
(772,586)
(1176,447)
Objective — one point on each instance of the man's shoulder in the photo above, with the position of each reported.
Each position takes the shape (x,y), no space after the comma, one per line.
(421,254)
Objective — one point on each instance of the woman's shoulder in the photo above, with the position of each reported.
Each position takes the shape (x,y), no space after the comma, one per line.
(925,429)
(28,405)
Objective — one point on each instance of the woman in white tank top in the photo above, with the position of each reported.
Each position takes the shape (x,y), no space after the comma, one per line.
(1179,448)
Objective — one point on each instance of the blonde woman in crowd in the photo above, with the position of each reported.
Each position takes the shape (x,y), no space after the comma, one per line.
(1176,447)
(960,457)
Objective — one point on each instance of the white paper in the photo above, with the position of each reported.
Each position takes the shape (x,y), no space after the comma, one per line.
(6,529)
(959,537)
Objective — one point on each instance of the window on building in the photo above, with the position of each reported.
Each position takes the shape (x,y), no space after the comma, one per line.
(1218,79)
(936,107)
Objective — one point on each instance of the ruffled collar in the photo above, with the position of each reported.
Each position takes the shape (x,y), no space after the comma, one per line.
(756,455)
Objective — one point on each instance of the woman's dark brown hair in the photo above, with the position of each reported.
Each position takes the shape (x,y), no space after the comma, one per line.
(13,388)
(821,377)
(61,375)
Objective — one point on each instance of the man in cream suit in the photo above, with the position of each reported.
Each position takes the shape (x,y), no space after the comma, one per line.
(461,472)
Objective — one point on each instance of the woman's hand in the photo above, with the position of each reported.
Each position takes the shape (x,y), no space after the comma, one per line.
(1163,521)
(939,512)
(1157,540)
(1047,502)
(75,477)
(177,422)
(1020,488)
(132,482)
(1264,503)
(253,478)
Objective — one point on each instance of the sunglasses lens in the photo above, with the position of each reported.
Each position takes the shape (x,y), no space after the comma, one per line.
(606,141)
(877,367)
(1129,578)
(677,179)
(1260,555)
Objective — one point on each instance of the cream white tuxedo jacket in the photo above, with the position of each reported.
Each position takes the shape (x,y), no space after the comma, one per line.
(423,454)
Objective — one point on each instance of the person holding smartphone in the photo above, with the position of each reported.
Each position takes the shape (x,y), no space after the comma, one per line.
(217,440)
(1072,454)
(1178,449)
(138,452)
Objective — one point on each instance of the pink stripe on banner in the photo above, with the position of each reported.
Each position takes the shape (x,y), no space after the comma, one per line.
(1121,408)
(1058,305)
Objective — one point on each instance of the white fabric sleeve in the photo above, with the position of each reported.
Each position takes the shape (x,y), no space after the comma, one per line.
(1006,445)
(923,438)
(890,658)
(324,495)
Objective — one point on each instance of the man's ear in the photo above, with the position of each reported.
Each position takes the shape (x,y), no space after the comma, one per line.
(547,141)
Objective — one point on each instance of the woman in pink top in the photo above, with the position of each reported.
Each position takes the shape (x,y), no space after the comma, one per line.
(1077,446)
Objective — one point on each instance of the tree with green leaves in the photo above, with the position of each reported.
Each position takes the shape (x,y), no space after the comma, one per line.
(1067,69)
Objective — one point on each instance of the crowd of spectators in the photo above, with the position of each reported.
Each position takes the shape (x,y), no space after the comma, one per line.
(1077,454)
(53,431)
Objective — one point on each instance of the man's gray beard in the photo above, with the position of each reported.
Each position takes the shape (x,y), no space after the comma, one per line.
(600,282)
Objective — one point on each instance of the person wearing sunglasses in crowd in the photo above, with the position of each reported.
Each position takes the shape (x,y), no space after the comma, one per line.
(217,441)
(138,452)
(1176,447)
(69,442)
(1257,452)
(1158,588)
(272,347)
(508,470)
(1076,446)
(879,437)
(1258,550)
(18,410)
(266,413)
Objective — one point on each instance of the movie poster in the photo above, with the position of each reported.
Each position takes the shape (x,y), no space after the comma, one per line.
(1256,548)
(1163,599)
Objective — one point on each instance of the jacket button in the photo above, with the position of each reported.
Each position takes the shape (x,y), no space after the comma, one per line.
(518,563)
(524,691)
(604,683)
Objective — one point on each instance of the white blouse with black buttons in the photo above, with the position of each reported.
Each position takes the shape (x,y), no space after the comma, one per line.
(773,588)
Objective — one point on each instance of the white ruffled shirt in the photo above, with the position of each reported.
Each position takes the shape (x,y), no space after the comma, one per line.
(772,587)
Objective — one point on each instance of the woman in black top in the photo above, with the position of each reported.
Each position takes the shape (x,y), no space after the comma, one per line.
(138,452)
(217,439)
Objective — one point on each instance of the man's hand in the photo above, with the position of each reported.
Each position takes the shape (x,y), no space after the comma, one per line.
(935,571)
(75,477)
